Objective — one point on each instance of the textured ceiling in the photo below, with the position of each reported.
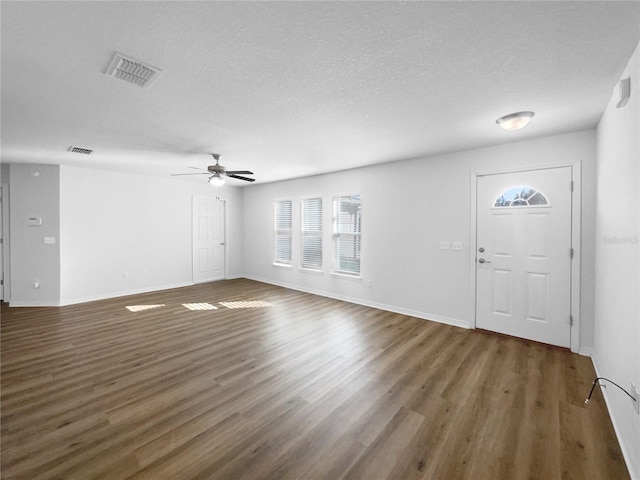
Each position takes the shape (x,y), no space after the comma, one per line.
(290,89)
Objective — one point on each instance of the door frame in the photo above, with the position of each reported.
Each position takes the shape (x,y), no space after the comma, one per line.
(576,224)
(6,245)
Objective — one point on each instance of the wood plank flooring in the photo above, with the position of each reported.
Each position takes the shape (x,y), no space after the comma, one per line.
(293,386)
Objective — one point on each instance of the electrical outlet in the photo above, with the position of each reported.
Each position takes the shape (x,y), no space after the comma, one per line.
(636,395)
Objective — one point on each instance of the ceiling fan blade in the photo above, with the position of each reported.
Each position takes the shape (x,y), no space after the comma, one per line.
(241,178)
(241,172)
(196,168)
(199,173)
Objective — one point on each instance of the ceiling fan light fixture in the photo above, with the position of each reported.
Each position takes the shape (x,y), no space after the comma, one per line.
(515,121)
(216,179)
(218,173)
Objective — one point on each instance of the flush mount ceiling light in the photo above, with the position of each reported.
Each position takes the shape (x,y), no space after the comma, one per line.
(515,121)
(624,91)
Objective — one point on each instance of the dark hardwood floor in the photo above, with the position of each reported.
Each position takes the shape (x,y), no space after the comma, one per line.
(287,386)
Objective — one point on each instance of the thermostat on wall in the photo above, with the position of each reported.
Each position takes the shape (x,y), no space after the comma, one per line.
(34,221)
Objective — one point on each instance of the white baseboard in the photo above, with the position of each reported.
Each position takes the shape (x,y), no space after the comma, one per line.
(586,351)
(389,308)
(625,448)
(122,293)
(34,303)
(103,296)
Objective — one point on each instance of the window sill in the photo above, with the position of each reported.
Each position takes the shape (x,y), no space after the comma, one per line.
(346,276)
(311,271)
(282,265)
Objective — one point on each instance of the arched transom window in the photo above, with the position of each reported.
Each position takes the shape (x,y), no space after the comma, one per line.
(521,197)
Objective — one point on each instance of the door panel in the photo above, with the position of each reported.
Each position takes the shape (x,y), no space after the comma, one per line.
(523,268)
(502,292)
(538,297)
(503,234)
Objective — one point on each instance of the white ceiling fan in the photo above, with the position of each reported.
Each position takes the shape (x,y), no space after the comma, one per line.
(217,173)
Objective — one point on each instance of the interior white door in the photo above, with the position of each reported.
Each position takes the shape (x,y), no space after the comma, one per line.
(523,261)
(208,239)
(1,243)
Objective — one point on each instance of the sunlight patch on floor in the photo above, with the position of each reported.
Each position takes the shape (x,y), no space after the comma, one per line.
(247,304)
(140,308)
(199,306)
(206,306)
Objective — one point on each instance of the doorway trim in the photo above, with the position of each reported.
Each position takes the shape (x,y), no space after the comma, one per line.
(6,244)
(576,225)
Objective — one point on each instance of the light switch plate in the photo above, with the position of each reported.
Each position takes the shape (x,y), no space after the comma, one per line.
(457,245)
(444,244)
(49,240)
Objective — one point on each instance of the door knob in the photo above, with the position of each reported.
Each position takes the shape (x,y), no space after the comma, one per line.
(482,260)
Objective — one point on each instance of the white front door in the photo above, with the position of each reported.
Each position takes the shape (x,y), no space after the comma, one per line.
(523,257)
(208,239)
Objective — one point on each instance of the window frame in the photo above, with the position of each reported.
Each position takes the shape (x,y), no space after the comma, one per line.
(523,202)
(279,233)
(312,233)
(336,235)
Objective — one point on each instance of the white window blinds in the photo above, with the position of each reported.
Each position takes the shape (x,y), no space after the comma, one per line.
(311,229)
(282,232)
(347,215)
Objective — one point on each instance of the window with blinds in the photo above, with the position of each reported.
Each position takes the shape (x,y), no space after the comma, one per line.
(311,233)
(282,232)
(347,217)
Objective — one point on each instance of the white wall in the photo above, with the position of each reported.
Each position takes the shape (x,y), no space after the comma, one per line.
(617,332)
(34,192)
(408,207)
(111,223)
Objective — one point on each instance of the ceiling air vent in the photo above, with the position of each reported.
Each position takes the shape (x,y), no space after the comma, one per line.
(84,151)
(132,70)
